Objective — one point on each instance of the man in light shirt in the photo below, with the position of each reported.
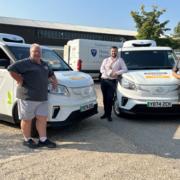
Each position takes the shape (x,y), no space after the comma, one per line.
(111,68)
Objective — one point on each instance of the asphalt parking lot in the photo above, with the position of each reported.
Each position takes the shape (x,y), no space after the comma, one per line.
(127,148)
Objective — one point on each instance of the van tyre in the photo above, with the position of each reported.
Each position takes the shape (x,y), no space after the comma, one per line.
(15,115)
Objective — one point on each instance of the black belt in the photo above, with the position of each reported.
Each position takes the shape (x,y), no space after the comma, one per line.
(112,80)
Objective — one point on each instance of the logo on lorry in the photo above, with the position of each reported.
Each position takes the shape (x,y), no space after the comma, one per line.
(93,52)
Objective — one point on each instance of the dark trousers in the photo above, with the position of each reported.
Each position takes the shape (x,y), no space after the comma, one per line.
(108,88)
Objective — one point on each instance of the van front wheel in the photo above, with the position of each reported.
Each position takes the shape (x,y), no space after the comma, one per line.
(15,115)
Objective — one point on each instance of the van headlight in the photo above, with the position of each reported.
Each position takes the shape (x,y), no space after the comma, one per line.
(125,83)
(84,91)
(59,90)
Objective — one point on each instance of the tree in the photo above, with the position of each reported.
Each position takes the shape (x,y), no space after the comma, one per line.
(147,23)
(168,41)
(177,31)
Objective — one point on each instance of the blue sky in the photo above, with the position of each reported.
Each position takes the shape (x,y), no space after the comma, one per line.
(100,13)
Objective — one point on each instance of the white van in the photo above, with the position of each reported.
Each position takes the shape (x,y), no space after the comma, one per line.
(87,55)
(74,100)
(148,87)
(11,38)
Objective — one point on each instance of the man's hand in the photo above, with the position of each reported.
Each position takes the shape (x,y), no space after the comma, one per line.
(17,77)
(114,74)
(175,75)
(54,82)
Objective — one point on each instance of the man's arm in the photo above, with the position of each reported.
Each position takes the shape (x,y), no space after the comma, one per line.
(175,70)
(17,77)
(176,75)
(53,81)
(52,78)
(122,70)
(15,71)
(102,68)
(105,71)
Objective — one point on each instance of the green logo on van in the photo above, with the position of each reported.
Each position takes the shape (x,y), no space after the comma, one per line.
(9,96)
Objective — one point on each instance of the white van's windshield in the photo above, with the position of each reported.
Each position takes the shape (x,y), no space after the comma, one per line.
(49,56)
(151,59)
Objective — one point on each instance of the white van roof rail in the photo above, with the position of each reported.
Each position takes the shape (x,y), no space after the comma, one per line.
(11,38)
(139,43)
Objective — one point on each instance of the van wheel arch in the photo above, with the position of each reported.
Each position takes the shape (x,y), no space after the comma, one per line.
(15,113)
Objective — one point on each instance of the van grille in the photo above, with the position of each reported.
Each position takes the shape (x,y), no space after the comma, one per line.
(160,91)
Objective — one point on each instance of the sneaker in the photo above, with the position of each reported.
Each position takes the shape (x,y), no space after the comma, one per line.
(47,143)
(30,144)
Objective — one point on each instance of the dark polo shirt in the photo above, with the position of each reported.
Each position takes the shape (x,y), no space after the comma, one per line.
(35,79)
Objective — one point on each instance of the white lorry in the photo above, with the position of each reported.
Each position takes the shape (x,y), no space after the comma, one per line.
(87,55)
(148,86)
(73,100)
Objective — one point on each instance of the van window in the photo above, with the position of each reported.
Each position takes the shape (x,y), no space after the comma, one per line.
(153,59)
(4,59)
(49,56)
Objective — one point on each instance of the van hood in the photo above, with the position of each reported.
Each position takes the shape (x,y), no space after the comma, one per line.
(149,77)
(73,78)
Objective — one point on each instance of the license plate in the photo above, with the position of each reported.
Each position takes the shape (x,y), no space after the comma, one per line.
(86,107)
(159,104)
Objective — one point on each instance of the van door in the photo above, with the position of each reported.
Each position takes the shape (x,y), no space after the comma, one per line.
(6,86)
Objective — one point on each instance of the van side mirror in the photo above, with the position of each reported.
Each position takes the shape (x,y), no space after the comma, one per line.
(4,63)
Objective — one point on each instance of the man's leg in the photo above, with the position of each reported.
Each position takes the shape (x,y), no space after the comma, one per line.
(26,129)
(26,114)
(110,98)
(104,93)
(41,125)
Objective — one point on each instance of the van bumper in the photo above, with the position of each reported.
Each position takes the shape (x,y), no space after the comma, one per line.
(75,117)
(143,109)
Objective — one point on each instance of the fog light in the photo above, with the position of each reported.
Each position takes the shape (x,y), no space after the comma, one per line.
(56,110)
(124,101)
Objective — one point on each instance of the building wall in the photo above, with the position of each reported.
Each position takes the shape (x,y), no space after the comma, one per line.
(56,37)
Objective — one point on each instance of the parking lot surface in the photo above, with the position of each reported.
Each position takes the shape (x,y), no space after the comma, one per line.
(126,148)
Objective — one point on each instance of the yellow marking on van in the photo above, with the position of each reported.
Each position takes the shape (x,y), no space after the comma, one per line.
(9,96)
(158,77)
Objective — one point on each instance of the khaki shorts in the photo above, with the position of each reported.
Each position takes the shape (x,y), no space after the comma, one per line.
(27,110)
